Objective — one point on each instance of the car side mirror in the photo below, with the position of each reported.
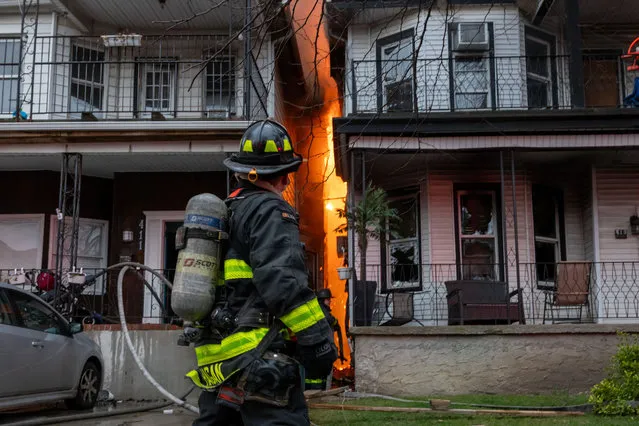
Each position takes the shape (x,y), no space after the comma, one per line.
(75,328)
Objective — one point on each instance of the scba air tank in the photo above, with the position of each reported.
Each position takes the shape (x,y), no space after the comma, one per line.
(200,243)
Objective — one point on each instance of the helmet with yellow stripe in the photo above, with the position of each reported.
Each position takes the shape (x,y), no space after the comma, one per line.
(266,149)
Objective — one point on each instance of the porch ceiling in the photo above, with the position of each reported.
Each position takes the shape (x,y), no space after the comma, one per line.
(105,165)
(135,15)
(396,165)
(600,12)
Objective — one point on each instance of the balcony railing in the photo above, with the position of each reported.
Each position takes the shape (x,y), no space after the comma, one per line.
(470,83)
(583,292)
(157,77)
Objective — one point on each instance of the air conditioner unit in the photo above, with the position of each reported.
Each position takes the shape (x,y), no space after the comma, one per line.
(471,36)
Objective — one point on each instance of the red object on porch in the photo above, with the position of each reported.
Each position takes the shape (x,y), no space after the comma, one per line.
(633,53)
(45,281)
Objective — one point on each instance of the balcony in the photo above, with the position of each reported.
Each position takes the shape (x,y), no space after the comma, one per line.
(181,77)
(476,83)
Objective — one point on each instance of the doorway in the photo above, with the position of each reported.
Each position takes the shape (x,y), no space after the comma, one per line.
(603,85)
(170,260)
(159,254)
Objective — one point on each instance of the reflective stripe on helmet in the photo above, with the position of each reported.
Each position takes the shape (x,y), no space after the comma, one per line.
(248,146)
(231,346)
(237,269)
(303,316)
(270,146)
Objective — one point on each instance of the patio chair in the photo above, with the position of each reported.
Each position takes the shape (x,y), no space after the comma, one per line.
(402,308)
(571,291)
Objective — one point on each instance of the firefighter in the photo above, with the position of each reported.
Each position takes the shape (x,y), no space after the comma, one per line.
(249,373)
(324,297)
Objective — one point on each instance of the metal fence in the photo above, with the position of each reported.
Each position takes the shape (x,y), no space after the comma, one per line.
(97,302)
(148,77)
(449,294)
(466,83)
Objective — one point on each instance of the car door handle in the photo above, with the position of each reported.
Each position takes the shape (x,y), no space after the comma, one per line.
(37,344)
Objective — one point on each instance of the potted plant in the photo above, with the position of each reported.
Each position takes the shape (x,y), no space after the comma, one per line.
(368,219)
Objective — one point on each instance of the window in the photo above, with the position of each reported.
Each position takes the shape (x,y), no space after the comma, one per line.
(9,74)
(21,240)
(472,80)
(87,79)
(477,228)
(538,73)
(220,87)
(547,220)
(92,248)
(403,246)
(395,71)
(7,316)
(37,316)
(157,83)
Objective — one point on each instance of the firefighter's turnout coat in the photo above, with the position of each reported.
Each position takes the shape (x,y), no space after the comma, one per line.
(265,256)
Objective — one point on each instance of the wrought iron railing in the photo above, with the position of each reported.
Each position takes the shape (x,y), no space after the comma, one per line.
(97,302)
(583,292)
(150,77)
(468,83)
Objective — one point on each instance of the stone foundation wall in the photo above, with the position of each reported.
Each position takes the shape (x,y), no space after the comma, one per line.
(515,359)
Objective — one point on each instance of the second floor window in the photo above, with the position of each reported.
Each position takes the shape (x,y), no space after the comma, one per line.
(472,80)
(157,86)
(538,73)
(472,87)
(9,74)
(220,87)
(87,79)
(395,72)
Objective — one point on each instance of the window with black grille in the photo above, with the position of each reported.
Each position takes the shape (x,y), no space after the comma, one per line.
(9,74)
(219,96)
(87,79)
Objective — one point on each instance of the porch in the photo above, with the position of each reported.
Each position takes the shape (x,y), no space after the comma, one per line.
(555,227)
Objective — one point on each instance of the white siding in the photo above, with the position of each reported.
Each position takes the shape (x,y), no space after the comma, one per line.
(431,40)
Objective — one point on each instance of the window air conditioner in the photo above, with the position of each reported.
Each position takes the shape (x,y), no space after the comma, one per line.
(471,36)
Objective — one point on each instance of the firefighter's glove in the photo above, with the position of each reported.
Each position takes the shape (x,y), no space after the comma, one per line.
(318,359)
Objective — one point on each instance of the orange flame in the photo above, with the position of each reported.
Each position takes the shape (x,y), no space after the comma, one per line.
(314,50)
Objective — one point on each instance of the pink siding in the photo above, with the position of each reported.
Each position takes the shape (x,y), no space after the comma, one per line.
(617,200)
(442,215)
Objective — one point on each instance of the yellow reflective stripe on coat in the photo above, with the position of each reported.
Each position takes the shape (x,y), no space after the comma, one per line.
(231,346)
(208,377)
(303,316)
(236,269)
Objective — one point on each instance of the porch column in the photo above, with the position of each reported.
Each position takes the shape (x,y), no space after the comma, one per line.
(576,65)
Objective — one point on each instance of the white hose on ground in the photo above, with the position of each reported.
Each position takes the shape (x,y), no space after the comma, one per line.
(125,330)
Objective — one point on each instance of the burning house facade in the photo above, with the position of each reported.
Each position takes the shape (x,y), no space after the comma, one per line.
(113,114)
(504,133)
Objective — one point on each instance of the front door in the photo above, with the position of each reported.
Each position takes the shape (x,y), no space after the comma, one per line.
(477,235)
(601,81)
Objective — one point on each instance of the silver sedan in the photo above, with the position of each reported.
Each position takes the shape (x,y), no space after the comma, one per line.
(44,358)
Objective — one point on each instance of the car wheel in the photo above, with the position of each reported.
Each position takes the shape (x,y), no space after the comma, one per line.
(88,388)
